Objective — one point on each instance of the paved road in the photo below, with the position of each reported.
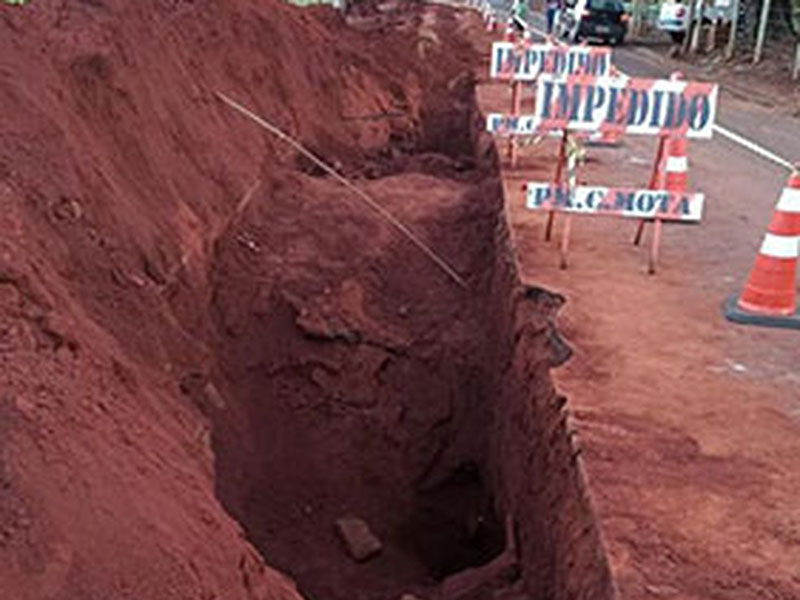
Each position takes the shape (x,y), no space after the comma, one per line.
(773,131)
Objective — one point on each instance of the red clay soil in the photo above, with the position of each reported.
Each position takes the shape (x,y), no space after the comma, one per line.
(196,327)
(119,172)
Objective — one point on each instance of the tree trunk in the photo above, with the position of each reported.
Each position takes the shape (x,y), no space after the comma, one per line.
(762,30)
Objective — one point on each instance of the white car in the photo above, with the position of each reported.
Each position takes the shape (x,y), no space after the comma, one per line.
(673,17)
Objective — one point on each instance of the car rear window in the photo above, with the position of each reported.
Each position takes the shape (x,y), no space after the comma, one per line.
(609,5)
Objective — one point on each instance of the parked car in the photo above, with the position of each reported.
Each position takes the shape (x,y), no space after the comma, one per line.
(604,20)
(673,16)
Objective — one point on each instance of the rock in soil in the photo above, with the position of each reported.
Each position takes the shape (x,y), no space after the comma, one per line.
(361,543)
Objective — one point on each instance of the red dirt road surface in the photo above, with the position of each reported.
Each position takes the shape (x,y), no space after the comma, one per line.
(690,425)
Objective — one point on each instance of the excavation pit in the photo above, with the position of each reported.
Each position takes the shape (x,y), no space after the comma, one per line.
(365,382)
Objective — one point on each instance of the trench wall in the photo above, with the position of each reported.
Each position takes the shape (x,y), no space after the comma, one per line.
(536,462)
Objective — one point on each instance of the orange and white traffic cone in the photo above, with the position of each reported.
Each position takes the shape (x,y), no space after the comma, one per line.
(676,165)
(770,294)
(604,137)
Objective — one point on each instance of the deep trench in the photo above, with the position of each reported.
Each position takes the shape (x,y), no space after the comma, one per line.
(438,441)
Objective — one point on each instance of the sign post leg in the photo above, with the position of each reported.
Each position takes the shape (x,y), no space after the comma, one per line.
(572,161)
(639,232)
(565,240)
(654,184)
(548,232)
(655,246)
(557,177)
(656,171)
(516,107)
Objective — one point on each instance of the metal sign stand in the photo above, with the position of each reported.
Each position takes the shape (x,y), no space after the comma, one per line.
(565,241)
(558,177)
(656,182)
(516,110)
(572,160)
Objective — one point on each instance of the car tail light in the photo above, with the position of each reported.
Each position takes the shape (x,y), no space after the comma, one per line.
(680,12)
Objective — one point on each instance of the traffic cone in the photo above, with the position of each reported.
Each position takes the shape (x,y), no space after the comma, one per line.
(770,294)
(604,137)
(676,165)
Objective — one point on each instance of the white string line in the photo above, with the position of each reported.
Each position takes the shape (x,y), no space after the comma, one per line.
(753,147)
(440,262)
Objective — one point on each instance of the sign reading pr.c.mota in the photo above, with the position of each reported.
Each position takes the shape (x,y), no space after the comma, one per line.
(620,202)
(621,105)
(526,63)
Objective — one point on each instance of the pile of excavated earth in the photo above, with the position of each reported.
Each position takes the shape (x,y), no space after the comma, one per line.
(223,374)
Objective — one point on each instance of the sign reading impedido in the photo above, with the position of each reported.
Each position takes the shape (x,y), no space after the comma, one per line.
(526,63)
(621,202)
(621,105)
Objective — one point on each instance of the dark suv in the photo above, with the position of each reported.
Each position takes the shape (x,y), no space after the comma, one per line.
(603,20)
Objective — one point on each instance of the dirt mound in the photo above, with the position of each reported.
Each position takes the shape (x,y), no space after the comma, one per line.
(189,311)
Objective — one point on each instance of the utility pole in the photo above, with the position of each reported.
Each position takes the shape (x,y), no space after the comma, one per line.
(762,31)
(796,68)
(711,39)
(734,26)
(636,9)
